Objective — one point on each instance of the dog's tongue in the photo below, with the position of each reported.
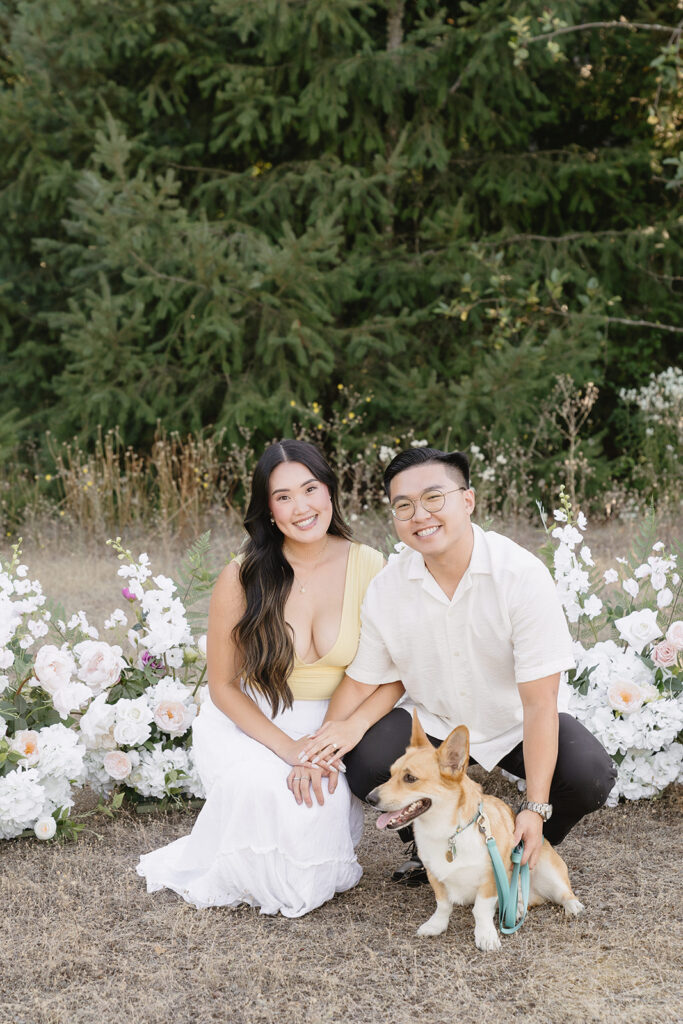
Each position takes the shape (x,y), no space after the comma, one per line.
(384,819)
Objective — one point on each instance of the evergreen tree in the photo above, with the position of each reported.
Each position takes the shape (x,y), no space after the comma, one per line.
(214,210)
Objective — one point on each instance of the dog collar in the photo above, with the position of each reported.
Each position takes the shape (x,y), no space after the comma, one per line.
(451,850)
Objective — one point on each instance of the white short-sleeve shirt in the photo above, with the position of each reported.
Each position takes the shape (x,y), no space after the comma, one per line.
(462,659)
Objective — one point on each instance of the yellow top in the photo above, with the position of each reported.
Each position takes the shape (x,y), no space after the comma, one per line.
(319,679)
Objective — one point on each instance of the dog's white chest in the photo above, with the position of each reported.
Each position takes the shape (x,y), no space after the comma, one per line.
(464,875)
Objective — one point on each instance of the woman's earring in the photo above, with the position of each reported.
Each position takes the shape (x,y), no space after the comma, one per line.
(272,521)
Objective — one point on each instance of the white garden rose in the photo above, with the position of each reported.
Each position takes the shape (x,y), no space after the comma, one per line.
(173,717)
(53,667)
(70,698)
(133,722)
(631,587)
(26,743)
(97,724)
(118,764)
(99,664)
(639,628)
(674,634)
(6,658)
(625,696)
(45,827)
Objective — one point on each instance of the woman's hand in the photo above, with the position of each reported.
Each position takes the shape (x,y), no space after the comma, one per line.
(330,742)
(301,779)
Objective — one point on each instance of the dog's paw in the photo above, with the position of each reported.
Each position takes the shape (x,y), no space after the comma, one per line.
(573,907)
(487,939)
(434,926)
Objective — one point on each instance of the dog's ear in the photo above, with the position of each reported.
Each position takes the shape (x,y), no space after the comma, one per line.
(418,737)
(454,752)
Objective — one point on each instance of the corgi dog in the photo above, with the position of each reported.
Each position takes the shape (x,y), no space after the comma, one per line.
(429,787)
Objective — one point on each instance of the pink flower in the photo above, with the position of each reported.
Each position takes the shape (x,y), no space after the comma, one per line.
(128,594)
(173,717)
(665,654)
(117,764)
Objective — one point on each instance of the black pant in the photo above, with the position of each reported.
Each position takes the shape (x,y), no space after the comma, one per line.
(583,777)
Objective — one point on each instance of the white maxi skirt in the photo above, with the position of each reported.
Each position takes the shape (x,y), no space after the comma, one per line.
(252,843)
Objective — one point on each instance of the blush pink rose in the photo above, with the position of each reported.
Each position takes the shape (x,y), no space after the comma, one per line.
(665,654)
(117,764)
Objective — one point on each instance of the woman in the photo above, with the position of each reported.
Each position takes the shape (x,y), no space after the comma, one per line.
(284,622)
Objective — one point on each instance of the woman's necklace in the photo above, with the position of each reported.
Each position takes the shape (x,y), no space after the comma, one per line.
(302,586)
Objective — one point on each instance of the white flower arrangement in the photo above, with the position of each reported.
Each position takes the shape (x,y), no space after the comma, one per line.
(78,710)
(626,686)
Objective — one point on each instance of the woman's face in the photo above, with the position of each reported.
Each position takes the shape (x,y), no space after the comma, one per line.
(299,503)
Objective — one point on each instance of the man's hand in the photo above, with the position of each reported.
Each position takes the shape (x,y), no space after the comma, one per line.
(529,827)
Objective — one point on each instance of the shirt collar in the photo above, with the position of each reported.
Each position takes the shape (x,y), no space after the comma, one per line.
(480,559)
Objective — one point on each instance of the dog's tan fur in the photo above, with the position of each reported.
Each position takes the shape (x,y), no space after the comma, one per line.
(440,774)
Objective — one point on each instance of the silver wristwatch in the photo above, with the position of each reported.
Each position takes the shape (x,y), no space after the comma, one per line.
(545,810)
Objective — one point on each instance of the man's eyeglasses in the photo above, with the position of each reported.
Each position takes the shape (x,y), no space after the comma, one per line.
(432,500)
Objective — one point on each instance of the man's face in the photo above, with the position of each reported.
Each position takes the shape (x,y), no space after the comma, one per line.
(433,533)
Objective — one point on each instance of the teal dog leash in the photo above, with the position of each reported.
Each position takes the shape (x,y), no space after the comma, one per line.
(507,891)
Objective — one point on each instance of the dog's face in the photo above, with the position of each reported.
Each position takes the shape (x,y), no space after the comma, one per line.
(423,776)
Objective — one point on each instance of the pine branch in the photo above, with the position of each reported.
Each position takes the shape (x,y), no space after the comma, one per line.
(635,25)
(623,320)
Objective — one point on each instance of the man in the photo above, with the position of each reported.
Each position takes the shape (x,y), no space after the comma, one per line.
(472,625)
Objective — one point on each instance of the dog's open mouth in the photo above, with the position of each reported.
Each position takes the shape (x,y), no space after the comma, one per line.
(397,819)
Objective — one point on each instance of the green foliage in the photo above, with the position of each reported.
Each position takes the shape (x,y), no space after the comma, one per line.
(213,209)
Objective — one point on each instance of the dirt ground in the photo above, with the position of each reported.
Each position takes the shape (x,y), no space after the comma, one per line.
(82,943)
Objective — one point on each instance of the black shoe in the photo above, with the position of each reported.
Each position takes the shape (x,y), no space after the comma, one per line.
(412,872)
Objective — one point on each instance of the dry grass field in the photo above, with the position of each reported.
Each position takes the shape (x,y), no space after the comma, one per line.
(82,943)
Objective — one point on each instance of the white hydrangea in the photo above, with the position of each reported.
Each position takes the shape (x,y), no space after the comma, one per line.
(22,799)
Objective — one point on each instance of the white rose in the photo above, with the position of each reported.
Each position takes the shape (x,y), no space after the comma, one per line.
(639,628)
(133,718)
(117,764)
(99,664)
(97,724)
(45,827)
(611,576)
(674,634)
(53,667)
(664,598)
(6,658)
(631,587)
(70,698)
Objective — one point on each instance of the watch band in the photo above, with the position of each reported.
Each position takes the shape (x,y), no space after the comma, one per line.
(545,810)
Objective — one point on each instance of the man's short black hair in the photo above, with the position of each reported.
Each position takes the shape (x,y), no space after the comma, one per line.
(417,456)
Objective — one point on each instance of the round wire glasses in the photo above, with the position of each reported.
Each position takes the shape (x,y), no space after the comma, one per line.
(432,500)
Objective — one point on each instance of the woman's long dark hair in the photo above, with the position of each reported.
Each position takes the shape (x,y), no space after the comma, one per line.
(263,638)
